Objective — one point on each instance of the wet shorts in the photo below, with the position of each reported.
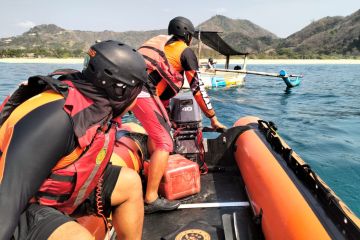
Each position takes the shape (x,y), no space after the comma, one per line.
(152,118)
(39,222)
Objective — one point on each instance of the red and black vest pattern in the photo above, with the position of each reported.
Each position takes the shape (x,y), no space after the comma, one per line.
(68,187)
(157,64)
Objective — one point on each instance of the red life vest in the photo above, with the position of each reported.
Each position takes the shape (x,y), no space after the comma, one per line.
(158,65)
(67,187)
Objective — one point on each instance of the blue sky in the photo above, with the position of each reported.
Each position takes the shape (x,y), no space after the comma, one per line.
(282,17)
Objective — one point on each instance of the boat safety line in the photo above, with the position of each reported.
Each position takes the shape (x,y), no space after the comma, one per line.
(214,205)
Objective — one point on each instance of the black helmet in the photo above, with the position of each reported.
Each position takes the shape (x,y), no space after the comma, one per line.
(115,67)
(181,27)
(211,60)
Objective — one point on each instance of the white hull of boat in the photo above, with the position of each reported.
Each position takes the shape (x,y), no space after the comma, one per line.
(212,79)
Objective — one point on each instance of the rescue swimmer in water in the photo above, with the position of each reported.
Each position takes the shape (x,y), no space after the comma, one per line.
(57,136)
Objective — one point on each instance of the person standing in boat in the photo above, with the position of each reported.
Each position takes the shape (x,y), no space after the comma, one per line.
(56,139)
(168,59)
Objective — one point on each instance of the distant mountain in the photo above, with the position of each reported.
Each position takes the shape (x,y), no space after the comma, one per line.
(50,37)
(327,36)
(243,35)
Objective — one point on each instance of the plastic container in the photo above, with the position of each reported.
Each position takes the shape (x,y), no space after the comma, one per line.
(181,178)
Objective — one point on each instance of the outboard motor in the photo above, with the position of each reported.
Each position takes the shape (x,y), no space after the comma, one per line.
(185,113)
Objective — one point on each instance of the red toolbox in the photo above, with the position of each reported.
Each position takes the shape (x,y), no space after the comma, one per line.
(181,178)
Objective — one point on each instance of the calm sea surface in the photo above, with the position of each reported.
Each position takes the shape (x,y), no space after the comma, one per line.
(320,119)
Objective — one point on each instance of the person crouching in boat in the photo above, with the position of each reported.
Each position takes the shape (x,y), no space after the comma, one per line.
(168,58)
(56,139)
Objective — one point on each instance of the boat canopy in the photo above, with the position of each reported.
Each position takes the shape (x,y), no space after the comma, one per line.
(214,41)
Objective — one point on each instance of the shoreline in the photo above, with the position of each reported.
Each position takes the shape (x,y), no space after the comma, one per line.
(287,61)
(219,61)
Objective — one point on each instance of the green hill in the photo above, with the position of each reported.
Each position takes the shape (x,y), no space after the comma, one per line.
(51,40)
(327,37)
(242,35)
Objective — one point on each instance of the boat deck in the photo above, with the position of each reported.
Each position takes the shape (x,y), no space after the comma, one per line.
(218,186)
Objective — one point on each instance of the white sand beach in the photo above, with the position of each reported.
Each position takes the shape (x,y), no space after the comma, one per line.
(219,61)
(288,61)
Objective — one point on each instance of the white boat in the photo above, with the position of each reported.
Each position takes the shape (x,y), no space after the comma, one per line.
(219,77)
(226,77)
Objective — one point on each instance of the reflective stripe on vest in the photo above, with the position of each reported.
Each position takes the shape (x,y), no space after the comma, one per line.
(153,53)
(102,159)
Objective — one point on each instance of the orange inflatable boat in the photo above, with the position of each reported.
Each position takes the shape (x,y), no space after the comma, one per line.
(252,184)
(255,187)
(289,198)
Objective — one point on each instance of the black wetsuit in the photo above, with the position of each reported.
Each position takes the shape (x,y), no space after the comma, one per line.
(39,140)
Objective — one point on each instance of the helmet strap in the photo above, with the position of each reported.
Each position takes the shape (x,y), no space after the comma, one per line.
(188,39)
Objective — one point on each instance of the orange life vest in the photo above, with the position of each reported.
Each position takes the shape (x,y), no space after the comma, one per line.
(158,66)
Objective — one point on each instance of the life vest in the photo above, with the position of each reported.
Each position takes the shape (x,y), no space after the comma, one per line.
(76,175)
(66,188)
(158,66)
(130,148)
(173,52)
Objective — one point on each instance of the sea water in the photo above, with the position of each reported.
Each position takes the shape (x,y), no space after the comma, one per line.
(320,119)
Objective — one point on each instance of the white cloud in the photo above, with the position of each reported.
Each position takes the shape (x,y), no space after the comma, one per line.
(26,24)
